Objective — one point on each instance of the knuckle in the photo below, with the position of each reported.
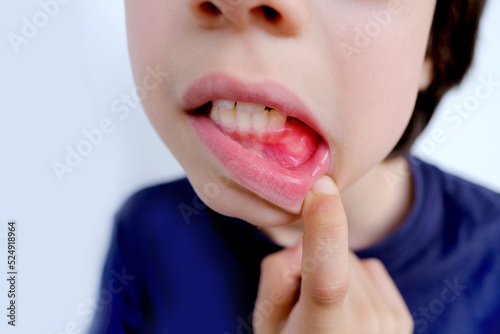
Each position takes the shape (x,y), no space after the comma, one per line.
(374,264)
(269,262)
(327,296)
(381,320)
(408,323)
(368,322)
(403,314)
(274,263)
(404,320)
(388,323)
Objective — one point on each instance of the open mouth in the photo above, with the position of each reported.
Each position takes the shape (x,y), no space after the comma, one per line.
(266,132)
(262,134)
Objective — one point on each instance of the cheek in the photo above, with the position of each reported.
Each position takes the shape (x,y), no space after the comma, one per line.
(384,77)
(377,84)
(382,89)
(151,27)
(151,34)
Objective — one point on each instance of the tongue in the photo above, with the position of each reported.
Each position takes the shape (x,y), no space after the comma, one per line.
(290,147)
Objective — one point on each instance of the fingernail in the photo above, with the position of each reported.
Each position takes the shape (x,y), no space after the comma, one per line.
(324,186)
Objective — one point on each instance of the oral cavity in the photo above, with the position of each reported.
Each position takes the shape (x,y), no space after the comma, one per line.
(246,116)
(282,140)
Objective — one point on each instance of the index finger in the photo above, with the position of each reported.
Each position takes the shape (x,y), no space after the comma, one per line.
(325,246)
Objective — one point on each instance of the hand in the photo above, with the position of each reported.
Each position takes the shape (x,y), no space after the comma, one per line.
(319,286)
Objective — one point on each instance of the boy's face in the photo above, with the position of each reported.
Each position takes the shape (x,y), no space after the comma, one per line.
(345,72)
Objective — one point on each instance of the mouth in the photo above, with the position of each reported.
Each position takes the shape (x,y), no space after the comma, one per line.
(268,133)
(262,134)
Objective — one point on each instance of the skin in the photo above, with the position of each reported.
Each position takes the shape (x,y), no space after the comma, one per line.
(338,293)
(363,94)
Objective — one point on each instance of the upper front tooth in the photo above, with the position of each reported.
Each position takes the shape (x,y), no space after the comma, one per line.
(244,119)
(250,107)
(224,104)
(228,117)
(260,120)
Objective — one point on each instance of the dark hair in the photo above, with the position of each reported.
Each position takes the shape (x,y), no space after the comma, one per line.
(451,49)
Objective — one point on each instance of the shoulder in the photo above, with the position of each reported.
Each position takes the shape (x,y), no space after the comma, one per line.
(473,206)
(460,194)
(164,209)
(148,232)
(159,200)
(461,228)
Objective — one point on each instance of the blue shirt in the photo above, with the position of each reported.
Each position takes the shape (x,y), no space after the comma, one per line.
(175,266)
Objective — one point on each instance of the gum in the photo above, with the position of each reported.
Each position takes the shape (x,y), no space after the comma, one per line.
(289,147)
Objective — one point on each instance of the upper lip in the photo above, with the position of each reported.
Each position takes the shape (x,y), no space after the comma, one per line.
(269,93)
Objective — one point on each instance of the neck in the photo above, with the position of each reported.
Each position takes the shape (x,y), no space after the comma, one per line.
(375,206)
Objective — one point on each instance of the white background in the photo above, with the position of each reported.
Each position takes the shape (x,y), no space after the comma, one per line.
(63,82)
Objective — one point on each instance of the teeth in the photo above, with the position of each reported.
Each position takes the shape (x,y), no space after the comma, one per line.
(249,107)
(244,119)
(228,117)
(277,120)
(215,113)
(224,104)
(260,120)
(246,116)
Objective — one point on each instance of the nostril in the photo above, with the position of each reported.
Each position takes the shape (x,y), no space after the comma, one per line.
(271,14)
(210,8)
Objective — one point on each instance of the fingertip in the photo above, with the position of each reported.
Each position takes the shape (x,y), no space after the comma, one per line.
(324,186)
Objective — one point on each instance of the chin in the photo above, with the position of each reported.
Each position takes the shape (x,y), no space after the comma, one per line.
(235,201)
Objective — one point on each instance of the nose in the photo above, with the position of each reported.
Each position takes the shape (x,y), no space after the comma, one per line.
(279,17)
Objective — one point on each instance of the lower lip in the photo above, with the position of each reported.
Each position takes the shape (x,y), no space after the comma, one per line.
(283,187)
